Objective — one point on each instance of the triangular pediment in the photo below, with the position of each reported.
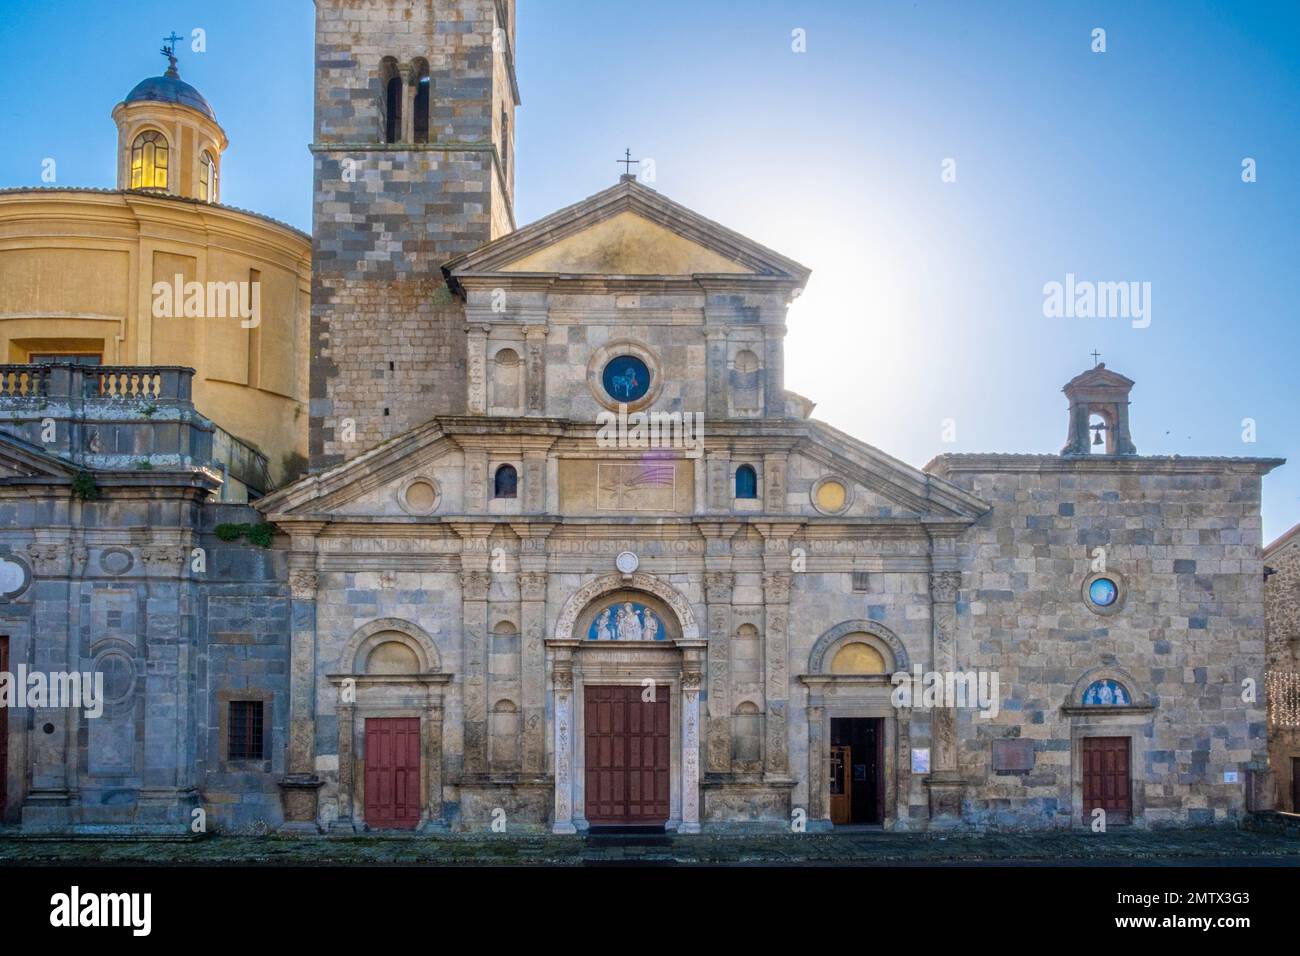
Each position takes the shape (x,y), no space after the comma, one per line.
(627,230)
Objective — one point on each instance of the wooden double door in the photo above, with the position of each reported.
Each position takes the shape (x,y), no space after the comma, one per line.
(628,755)
(392,762)
(1106,780)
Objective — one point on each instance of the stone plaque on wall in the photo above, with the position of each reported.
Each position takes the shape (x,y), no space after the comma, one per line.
(1013,755)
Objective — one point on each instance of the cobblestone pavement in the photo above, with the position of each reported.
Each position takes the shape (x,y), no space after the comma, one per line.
(1166,847)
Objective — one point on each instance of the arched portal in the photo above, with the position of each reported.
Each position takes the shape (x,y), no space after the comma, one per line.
(626,665)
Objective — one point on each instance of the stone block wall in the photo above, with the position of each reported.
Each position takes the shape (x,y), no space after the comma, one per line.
(1182,538)
(1282,623)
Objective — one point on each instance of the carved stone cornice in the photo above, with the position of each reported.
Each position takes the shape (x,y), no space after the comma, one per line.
(163,559)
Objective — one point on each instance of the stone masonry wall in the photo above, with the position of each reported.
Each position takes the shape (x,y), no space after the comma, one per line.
(1185,546)
(1282,623)
(387,337)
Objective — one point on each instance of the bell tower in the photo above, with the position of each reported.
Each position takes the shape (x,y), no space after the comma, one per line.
(1102,394)
(413,165)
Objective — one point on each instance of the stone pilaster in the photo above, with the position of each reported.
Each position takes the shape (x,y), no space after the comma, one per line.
(777,580)
(347,758)
(817,751)
(534,481)
(532,625)
(774,369)
(715,386)
(301,785)
(718,473)
(691,681)
(475,582)
(535,369)
(476,361)
(562,679)
(476,479)
(945,779)
(717,594)
(774,483)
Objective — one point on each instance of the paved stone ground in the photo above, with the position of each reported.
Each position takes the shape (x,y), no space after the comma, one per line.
(1167,847)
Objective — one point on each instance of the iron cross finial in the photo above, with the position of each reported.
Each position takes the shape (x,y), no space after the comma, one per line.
(1095,356)
(627,162)
(169,51)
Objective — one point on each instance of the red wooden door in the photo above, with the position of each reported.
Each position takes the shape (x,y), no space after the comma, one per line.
(392,772)
(627,755)
(4,735)
(1106,782)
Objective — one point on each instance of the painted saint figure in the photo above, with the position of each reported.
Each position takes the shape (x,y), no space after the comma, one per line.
(603,632)
(629,624)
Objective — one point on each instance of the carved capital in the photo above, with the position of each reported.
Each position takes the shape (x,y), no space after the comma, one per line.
(47,558)
(563,679)
(302,584)
(532,585)
(718,586)
(163,559)
(474,585)
(944,585)
(692,677)
(776,587)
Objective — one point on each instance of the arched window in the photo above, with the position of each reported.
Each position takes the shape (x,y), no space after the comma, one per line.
(149,161)
(392,100)
(746,482)
(506,483)
(420,121)
(207,177)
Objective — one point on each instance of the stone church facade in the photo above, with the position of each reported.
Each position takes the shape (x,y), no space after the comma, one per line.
(570,554)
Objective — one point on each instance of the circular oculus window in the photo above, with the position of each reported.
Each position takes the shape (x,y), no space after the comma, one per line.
(1103,592)
(830,496)
(626,378)
(419,496)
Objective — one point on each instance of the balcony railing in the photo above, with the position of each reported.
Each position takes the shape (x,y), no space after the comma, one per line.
(56,382)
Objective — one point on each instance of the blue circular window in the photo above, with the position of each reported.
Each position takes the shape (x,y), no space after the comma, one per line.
(626,379)
(1103,592)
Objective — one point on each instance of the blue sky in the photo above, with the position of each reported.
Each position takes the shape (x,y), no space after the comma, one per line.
(926,301)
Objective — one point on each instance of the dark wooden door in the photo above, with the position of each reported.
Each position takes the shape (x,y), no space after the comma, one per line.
(4,735)
(627,755)
(841,780)
(1295,783)
(1106,782)
(392,772)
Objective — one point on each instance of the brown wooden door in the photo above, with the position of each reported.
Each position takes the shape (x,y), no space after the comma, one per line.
(4,735)
(1106,782)
(392,772)
(627,755)
(841,784)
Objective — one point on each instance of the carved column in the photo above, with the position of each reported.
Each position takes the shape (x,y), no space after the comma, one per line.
(717,594)
(301,785)
(719,488)
(945,779)
(535,369)
(691,679)
(562,678)
(476,362)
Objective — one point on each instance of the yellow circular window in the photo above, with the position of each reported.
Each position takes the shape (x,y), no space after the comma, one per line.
(831,496)
(858,658)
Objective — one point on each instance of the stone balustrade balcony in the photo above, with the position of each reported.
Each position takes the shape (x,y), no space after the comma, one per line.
(122,418)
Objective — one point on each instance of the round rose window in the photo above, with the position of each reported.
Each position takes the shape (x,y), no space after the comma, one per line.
(626,379)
